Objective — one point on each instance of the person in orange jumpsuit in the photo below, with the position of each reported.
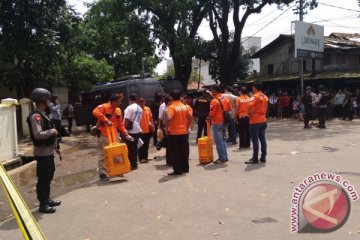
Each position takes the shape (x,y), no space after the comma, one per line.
(242,107)
(147,129)
(179,119)
(108,114)
(257,111)
(218,105)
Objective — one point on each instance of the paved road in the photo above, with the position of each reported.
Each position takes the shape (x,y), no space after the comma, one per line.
(230,201)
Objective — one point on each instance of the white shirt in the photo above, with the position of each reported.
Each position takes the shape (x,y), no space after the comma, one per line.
(55,111)
(162,111)
(134,113)
(232,98)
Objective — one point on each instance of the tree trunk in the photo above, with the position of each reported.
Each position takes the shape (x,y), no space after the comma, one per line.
(183,67)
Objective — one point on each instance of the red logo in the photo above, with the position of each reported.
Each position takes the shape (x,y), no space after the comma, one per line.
(325,207)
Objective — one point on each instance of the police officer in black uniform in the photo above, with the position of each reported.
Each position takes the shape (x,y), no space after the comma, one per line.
(307,100)
(322,102)
(43,134)
(202,109)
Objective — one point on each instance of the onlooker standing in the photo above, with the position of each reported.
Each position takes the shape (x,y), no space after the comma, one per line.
(322,102)
(273,105)
(55,115)
(347,113)
(307,101)
(242,107)
(163,127)
(108,114)
(286,105)
(43,136)
(147,129)
(70,117)
(280,105)
(179,120)
(257,110)
(339,100)
(132,118)
(155,112)
(218,105)
(354,104)
(202,108)
(231,128)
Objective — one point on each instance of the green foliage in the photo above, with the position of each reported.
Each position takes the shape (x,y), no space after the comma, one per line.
(113,31)
(175,24)
(31,33)
(170,72)
(228,44)
(85,71)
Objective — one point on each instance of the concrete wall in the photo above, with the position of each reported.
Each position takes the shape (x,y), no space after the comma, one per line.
(8,133)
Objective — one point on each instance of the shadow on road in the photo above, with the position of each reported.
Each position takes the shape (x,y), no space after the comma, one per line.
(170,178)
(162,167)
(211,166)
(253,167)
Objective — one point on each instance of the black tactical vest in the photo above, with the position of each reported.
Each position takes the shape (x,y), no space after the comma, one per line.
(47,124)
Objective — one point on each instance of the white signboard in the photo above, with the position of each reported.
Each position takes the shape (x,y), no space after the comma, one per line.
(309,40)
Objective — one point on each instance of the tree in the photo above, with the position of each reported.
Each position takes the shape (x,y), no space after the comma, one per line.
(170,72)
(229,51)
(175,23)
(113,31)
(31,33)
(207,51)
(84,72)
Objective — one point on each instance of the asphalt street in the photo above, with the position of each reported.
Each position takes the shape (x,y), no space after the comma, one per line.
(226,201)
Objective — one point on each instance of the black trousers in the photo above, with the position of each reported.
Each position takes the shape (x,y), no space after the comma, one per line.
(308,115)
(177,148)
(273,110)
(132,149)
(322,116)
(144,149)
(154,134)
(45,169)
(201,126)
(244,132)
(70,124)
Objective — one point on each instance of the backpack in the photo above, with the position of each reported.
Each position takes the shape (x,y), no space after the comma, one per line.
(66,112)
(228,116)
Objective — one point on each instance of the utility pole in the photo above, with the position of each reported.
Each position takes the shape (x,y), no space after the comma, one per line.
(199,74)
(301,64)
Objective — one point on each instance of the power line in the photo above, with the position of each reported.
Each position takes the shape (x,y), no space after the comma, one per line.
(348,9)
(267,24)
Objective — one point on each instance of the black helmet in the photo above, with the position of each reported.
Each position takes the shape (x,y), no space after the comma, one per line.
(308,88)
(236,86)
(40,95)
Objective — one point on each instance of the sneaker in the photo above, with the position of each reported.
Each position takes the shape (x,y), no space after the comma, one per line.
(219,161)
(252,161)
(104,178)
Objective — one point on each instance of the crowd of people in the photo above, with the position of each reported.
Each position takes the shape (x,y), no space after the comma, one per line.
(341,104)
(168,120)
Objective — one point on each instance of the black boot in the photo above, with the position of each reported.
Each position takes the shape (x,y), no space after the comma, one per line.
(46,209)
(54,203)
